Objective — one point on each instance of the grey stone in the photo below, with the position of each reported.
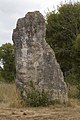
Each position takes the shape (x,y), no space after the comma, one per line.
(35,60)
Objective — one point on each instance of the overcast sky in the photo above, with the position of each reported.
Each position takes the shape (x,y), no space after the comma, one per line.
(11,10)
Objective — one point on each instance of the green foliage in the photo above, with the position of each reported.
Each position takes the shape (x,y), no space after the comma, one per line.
(77,43)
(8,63)
(73,91)
(36,97)
(63,29)
(1,78)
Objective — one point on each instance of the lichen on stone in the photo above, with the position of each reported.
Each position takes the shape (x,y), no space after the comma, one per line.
(35,60)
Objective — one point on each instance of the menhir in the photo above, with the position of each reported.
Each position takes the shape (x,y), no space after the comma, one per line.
(35,60)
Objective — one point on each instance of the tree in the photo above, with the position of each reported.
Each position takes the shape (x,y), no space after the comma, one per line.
(77,43)
(63,27)
(77,57)
(7,62)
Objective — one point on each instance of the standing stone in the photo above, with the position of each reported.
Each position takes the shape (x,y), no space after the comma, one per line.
(35,60)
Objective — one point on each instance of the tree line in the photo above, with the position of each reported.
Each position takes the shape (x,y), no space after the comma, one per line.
(63,35)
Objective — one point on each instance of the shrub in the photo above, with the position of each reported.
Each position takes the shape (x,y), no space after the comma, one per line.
(36,97)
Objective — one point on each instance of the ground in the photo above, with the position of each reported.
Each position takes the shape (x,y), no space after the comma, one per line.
(40,113)
(12,109)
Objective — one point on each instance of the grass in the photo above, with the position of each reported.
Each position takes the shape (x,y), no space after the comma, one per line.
(9,95)
(73,92)
(11,107)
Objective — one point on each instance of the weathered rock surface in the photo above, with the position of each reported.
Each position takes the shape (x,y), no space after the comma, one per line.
(35,60)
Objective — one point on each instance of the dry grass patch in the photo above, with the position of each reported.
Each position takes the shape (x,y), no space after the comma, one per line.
(9,95)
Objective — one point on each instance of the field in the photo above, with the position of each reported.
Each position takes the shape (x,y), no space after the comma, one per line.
(12,109)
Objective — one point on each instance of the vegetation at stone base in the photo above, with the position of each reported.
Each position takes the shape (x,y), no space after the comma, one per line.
(7,68)
(63,35)
(37,97)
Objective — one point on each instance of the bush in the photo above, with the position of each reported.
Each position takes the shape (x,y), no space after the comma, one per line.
(36,97)
(73,91)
